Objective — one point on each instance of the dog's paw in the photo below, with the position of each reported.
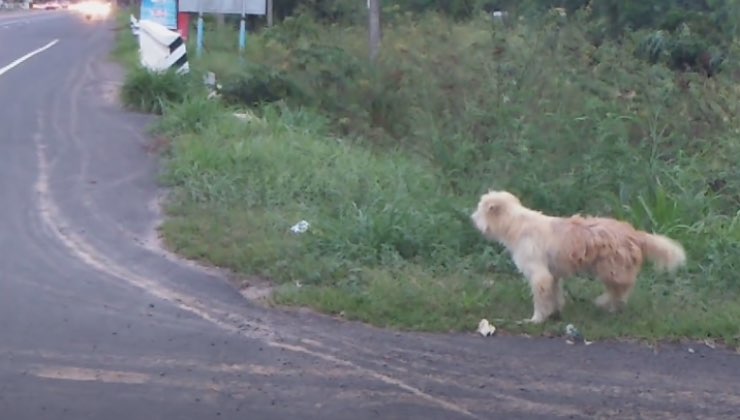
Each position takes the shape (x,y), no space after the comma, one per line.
(536,319)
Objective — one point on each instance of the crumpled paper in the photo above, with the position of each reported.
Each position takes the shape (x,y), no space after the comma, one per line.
(485,328)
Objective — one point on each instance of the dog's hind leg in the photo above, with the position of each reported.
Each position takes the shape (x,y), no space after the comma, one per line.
(545,294)
(618,290)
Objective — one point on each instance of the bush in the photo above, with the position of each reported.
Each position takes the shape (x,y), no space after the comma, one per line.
(258,84)
(148,91)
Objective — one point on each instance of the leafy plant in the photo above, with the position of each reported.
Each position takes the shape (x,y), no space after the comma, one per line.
(148,91)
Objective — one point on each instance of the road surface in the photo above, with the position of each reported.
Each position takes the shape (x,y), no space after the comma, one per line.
(97,322)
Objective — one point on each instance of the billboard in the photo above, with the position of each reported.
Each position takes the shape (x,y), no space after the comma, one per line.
(163,12)
(227,7)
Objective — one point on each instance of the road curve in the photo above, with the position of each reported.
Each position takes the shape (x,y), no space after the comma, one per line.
(97,322)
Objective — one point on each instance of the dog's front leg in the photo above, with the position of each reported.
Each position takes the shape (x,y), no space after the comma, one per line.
(543,295)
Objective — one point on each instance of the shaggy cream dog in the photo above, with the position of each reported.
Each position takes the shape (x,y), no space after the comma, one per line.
(548,249)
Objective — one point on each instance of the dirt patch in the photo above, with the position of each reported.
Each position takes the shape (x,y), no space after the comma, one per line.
(254,289)
(158,145)
(111,92)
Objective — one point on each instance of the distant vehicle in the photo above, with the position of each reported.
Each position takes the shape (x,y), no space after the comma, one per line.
(93,9)
(46,5)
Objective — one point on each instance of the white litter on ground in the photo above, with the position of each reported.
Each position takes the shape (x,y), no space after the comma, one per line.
(245,116)
(300,227)
(574,336)
(209,80)
(485,328)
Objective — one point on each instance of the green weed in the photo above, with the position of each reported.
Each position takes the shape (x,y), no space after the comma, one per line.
(151,92)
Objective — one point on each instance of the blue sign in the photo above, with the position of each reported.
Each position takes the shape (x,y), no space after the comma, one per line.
(163,12)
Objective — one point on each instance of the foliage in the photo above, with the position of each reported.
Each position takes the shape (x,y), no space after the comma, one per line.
(386,161)
(149,91)
(258,84)
(697,32)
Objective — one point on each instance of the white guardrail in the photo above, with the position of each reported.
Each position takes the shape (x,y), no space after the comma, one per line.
(160,48)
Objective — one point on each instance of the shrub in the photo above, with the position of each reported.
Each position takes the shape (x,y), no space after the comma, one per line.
(258,84)
(148,91)
(194,115)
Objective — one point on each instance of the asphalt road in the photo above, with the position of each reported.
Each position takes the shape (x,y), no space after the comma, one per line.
(97,322)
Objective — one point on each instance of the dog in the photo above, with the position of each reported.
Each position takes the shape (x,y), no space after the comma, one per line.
(549,249)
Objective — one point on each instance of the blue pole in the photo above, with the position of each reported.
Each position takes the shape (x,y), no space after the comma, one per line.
(243,28)
(199,41)
(242,34)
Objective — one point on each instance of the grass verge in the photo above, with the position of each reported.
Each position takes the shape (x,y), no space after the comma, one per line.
(387,181)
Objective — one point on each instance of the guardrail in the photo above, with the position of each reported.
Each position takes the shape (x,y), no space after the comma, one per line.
(160,48)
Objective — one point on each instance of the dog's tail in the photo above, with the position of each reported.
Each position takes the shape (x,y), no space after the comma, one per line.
(665,253)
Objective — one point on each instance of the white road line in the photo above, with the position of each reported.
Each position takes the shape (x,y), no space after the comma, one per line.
(24,20)
(13,22)
(20,60)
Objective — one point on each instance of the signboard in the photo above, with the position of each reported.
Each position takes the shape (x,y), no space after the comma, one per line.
(225,7)
(163,12)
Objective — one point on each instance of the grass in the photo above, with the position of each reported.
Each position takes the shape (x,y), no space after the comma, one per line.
(150,92)
(126,48)
(386,163)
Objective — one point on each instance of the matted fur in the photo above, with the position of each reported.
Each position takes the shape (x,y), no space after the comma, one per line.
(549,249)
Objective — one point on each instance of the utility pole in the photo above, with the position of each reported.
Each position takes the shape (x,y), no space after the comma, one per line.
(374,28)
(269,13)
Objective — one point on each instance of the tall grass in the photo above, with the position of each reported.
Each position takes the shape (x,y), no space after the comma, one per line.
(147,91)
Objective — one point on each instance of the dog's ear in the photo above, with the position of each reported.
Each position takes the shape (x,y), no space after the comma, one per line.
(494,209)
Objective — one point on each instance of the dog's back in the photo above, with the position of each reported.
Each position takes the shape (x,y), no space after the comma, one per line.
(592,245)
